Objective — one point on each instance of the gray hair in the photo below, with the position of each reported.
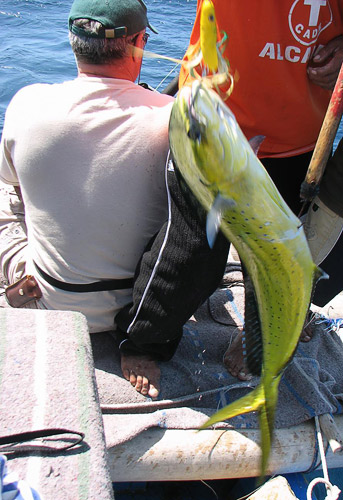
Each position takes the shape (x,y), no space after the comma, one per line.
(97,50)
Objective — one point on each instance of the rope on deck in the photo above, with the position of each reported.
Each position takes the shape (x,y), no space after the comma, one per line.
(331,490)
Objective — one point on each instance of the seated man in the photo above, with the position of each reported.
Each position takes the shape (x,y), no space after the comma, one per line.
(84,193)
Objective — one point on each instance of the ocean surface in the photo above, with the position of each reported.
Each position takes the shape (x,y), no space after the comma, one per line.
(34,45)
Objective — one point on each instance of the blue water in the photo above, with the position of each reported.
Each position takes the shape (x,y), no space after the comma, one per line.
(34,44)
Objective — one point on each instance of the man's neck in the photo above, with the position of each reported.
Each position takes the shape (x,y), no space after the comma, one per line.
(118,71)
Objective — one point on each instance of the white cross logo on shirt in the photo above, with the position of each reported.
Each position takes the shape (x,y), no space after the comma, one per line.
(315,9)
(308,18)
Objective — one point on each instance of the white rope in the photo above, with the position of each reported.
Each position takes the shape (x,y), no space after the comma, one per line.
(332,491)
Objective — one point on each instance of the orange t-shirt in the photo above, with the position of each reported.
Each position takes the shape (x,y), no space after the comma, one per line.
(269,46)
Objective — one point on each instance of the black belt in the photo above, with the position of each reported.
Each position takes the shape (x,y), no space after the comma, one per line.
(97,286)
(13,445)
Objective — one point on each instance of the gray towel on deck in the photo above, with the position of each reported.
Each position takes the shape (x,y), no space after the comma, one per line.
(195,383)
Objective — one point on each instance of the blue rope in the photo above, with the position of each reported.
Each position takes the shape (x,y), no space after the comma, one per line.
(13,489)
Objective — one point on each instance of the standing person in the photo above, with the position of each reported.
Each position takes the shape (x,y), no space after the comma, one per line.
(85,208)
(287,56)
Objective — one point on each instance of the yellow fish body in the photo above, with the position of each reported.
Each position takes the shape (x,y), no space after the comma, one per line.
(219,165)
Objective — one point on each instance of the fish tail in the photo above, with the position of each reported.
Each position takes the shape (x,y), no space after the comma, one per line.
(262,399)
(266,417)
(250,402)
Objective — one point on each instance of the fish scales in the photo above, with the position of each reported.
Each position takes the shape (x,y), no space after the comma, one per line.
(217,162)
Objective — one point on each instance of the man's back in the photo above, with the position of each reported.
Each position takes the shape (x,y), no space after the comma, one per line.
(89,156)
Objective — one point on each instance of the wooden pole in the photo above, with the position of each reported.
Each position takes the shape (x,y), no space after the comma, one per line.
(321,153)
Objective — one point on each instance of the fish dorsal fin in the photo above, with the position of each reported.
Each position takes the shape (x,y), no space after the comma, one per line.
(318,275)
(255,142)
(214,217)
(252,330)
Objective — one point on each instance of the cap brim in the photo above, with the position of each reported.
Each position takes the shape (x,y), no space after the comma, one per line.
(154,30)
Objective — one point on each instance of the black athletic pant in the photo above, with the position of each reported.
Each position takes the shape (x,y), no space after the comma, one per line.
(176,274)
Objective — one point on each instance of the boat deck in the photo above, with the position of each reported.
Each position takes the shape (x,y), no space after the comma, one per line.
(53,375)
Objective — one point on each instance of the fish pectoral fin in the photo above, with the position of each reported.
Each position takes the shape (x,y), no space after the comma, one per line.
(252,335)
(250,402)
(255,143)
(214,217)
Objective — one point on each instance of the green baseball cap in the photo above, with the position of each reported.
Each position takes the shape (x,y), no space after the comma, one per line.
(118,17)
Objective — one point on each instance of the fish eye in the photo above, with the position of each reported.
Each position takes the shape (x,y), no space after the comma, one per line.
(211,17)
(194,132)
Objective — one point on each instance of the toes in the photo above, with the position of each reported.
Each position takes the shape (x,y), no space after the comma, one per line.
(306,334)
(145,386)
(139,383)
(153,391)
(142,373)
(232,369)
(234,363)
(243,375)
(232,366)
(306,338)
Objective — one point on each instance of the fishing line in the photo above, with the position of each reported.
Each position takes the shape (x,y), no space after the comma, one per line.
(164,79)
(217,78)
(210,487)
(152,55)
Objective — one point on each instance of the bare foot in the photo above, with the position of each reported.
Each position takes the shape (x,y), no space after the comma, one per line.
(143,373)
(234,359)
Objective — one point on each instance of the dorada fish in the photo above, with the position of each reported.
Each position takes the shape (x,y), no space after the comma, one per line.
(221,168)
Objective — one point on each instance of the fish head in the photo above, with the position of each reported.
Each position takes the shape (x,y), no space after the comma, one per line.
(205,135)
